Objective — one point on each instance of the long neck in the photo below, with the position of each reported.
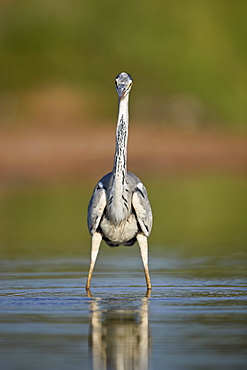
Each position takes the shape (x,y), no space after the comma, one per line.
(120,160)
(118,207)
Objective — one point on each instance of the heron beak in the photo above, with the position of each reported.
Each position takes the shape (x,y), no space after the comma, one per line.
(122,91)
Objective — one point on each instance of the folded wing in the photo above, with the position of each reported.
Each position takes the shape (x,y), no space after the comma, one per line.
(142,209)
(96,208)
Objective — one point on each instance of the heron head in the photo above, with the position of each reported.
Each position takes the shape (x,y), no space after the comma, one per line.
(123,83)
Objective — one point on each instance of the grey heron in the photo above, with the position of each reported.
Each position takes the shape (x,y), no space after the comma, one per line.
(119,211)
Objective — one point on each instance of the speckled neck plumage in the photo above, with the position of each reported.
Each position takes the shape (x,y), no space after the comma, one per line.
(120,160)
(121,211)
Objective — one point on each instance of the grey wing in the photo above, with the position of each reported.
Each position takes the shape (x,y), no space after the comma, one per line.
(96,208)
(142,208)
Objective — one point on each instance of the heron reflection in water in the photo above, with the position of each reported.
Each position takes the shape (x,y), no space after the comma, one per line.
(119,334)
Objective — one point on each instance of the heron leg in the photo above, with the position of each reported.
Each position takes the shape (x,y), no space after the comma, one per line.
(143,244)
(96,240)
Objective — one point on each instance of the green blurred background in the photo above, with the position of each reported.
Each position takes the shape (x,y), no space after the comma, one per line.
(179,47)
(57,67)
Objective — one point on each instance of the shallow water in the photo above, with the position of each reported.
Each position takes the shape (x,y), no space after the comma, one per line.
(195,317)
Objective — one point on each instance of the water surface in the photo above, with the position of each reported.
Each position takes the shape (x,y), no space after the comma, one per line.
(195,317)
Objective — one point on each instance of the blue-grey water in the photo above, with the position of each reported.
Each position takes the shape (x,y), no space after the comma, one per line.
(195,317)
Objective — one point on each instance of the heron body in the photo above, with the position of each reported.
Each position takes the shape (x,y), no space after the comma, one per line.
(119,211)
